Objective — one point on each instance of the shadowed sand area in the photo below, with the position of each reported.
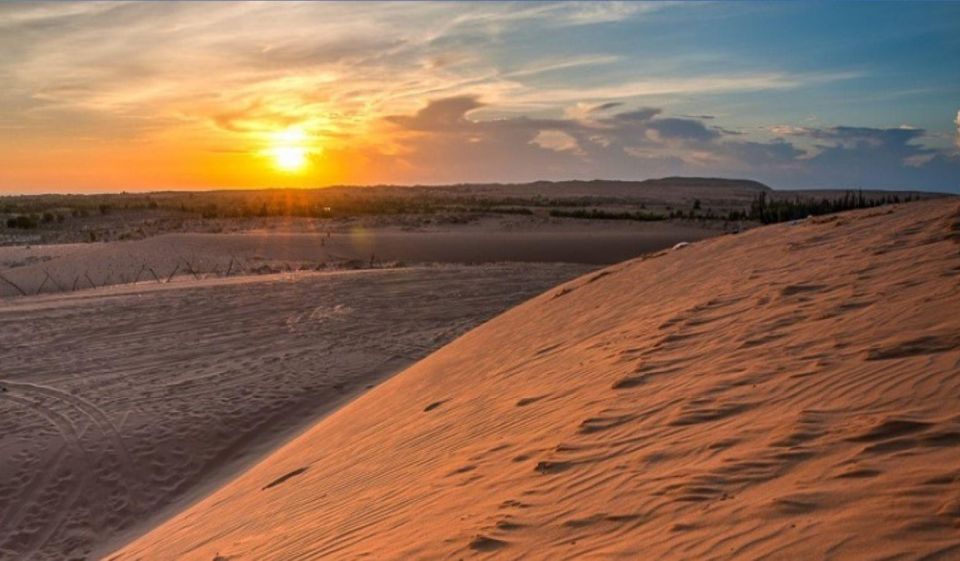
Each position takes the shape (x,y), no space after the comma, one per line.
(68,267)
(788,393)
(119,406)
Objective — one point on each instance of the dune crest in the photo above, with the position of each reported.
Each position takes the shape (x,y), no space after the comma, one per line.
(787,393)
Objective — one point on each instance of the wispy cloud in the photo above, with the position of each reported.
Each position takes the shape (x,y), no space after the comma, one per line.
(596,141)
(402,88)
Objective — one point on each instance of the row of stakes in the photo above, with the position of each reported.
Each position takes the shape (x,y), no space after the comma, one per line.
(188,268)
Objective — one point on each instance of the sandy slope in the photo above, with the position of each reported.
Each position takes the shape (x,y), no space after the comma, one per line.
(788,393)
(68,267)
(117,405)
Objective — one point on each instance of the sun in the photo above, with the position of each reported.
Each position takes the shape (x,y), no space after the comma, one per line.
(289,150)
(289,158)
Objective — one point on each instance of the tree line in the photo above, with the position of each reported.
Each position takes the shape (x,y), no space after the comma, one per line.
(768,211)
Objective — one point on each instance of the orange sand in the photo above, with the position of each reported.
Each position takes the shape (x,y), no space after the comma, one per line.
(788,393)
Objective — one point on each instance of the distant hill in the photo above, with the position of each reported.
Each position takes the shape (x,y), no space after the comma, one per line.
(57,218)
(663,182)
(667,190)
(711,182)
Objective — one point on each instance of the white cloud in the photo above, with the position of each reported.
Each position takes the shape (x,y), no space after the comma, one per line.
(957,122)
(557,141)
(665,85)
(554,65)
(223,73)
(788,130)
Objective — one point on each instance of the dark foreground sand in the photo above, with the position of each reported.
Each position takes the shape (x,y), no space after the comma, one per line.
(119,406)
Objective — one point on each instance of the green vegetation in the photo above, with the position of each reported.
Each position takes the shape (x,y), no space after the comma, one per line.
(70,218)
(768,211)
(502,210)
(24,222)
(596,214)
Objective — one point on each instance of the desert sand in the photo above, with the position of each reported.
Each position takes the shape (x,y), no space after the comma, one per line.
(45,269)
(786,393)
(119,406)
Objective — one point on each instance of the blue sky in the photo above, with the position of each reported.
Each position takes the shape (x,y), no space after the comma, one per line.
(187,95)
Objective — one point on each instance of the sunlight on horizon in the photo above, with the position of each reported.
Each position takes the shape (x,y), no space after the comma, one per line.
(228,95)
(289,150)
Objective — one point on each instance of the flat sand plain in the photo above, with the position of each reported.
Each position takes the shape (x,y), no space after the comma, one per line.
(68,267)
(118,406)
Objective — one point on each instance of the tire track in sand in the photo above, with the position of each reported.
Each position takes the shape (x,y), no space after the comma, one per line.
(60,511)
(99,418)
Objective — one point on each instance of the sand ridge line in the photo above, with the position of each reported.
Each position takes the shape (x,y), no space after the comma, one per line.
(717,402)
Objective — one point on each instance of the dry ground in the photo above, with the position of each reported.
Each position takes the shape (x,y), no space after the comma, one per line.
(118,406)
(68,267)
(789,393)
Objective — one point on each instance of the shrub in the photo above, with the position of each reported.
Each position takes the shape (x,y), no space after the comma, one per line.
(23,221)
(597,214)
(769,211)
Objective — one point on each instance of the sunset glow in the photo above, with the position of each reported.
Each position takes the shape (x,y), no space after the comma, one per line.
(289,150)
(145,95)
(290,158)
(485,279)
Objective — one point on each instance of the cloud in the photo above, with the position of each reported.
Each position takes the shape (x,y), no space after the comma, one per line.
(117,58)
(584,145)
(642,115)
(614,104)
(846,156)
(644,142)
(422,92)
(777,154)
(853,136)
(556,140)
(660,86)
(683,129)
(957,122)
(565,64)
(867,143)
(788,130)
(440,114)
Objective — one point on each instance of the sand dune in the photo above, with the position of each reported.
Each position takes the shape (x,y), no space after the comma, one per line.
(119,406)
(69,267)
(787,393)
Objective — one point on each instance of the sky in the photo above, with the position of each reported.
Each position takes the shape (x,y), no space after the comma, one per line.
(110,96)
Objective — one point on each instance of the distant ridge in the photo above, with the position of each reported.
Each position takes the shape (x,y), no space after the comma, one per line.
(670,182)
(713,182)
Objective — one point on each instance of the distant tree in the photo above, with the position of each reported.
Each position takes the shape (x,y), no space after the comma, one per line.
(606,215)
(23,221)
(768,211)
(209,211)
